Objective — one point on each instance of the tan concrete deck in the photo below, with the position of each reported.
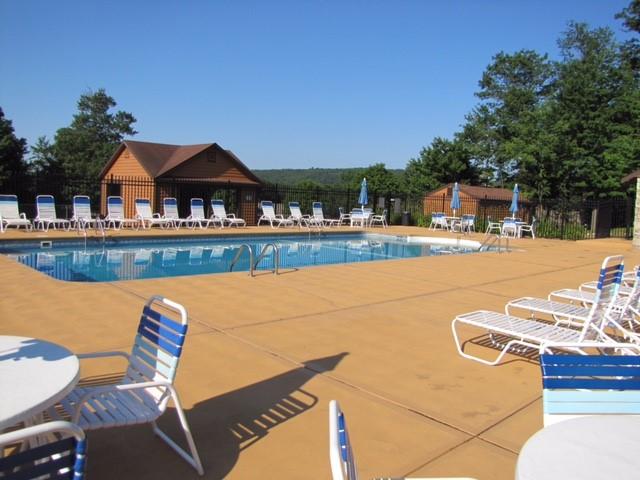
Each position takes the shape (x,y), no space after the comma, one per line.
(265,355)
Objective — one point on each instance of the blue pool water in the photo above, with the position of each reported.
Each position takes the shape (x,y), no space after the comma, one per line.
(143,258)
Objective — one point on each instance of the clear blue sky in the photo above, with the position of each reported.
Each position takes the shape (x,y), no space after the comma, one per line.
(292,84)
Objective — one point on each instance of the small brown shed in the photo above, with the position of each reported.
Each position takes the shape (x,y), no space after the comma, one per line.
(156,170)
(473,200)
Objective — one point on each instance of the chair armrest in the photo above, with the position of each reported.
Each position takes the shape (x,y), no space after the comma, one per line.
(157,215)
(231,215)
(23,216)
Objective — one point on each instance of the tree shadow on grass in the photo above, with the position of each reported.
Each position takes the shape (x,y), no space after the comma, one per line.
(222,427)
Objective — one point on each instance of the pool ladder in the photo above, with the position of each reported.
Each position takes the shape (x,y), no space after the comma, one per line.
(490,240)
(263,253)
(82,228)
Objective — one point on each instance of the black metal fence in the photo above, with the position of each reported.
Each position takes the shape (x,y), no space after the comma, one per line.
(554,219)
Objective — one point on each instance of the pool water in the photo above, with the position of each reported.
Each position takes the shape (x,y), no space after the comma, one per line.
(143,259)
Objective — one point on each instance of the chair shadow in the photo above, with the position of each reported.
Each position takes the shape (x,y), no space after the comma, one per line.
(222,426)
(497,342)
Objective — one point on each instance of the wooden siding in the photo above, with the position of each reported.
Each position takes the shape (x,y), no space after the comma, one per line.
(211,164)
(126,165)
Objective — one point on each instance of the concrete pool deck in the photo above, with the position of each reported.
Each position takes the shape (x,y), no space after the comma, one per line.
(264,356)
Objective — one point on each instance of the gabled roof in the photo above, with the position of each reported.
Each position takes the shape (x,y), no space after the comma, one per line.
(480,193)
(159,158)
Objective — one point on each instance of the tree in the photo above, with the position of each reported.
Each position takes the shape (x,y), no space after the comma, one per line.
(86,145)
(13,168)
(43,160)
(595,113)
(380,180)
(444,161)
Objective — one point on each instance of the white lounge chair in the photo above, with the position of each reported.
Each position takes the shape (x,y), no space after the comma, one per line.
(318,215)
(198,216)
(533,333)
(54,450)
(170,208)
(147,218)
(297,216)
(10,215)
(269,215)
(46,216)
(341,457)
(220,213)
(623,309)
(115,214)
(147,387)
(82,217)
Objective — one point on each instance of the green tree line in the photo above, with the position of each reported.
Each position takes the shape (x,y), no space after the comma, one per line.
(562,129)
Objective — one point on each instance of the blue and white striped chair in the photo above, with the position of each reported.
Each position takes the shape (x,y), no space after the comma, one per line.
(62,458)
(146,217)
(10,216)
(577,385)
(46,216)
(147,386)
(82,218)
(198,216)
(170,207)
(343,462)
(115,214)
(220,213)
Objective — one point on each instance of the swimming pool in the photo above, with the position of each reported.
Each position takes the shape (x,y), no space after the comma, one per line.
(133,259)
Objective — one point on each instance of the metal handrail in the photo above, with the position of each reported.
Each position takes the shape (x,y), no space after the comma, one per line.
(263,253)
(490,240)
(243,247)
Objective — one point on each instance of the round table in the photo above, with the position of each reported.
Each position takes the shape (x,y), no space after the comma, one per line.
(34,374)
(585,448)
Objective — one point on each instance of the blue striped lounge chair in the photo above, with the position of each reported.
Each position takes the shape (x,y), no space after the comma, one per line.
(82,217)
(147,218)
(198,216)
(220,213)
(297,216)
(147,386)
(341,458)
(62,458)
(46,214)
(170,208)
(532,333)
(10,216)
(577,385)
(115,214)
(621,313)
(318,214)
(269,215)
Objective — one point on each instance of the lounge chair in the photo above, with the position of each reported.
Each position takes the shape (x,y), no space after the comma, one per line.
(297,216)
(220,213)
(622,309)
(46,216)
(341,457)
(147,218)
(63,455)
(533,333)
(170,208)
(82,218)
(147,386)
(115,214)
(10,215)
(578,385)
(318,215)
(198,217)
(381,219)
(269,215)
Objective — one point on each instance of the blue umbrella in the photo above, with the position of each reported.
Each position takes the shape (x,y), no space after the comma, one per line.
(363,199)
(455,198)
(514,201)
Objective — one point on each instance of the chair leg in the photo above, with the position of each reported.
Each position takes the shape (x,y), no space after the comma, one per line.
(194,458)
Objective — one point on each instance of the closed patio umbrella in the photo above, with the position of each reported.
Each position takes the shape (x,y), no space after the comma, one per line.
(363,199)
(455,198)
(514,201)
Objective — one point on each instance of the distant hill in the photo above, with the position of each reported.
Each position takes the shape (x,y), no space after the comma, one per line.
(323,176)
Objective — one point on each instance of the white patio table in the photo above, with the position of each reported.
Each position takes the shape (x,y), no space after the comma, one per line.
(585,448)
(34,374)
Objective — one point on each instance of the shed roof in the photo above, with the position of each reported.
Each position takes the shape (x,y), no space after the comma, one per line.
(481,193)
(159,158)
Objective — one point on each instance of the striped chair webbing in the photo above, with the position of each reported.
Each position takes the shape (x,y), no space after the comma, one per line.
(81,207)
(591,384)
(9,206)
(46,206)
(346,451)
(67,454)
